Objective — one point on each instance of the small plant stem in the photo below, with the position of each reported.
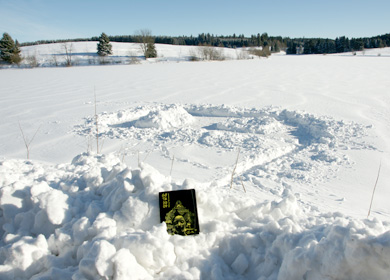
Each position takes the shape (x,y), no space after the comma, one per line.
(27,143)
(234,169)
(373,192)
(97,126)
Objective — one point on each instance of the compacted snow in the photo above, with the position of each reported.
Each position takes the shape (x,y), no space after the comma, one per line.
(283,153)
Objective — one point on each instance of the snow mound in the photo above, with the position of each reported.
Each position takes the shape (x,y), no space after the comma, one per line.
(307,128)
(158,117)
(283,144)
(169,117)
(96,218)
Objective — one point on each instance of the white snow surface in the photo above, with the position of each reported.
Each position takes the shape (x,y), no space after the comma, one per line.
(283,154)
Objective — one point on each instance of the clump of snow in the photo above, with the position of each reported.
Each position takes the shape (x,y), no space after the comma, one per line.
(97,218)
(125,122)
(170,117)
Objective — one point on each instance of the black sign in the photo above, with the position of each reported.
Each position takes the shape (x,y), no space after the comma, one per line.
(178,210)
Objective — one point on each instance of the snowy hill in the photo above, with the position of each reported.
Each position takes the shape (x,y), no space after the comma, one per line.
(283,153)
(85,54)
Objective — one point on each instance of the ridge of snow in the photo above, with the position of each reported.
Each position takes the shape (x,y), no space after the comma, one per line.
(113,213)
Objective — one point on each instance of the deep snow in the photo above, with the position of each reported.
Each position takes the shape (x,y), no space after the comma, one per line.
(309,133)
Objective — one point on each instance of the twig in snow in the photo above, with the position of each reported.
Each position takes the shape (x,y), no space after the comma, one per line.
(234,169)
(146,156)
(139,161)
(28,142)
(373,192)
(97,126)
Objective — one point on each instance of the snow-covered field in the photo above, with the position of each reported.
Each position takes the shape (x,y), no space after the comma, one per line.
(84,54)
(309,133)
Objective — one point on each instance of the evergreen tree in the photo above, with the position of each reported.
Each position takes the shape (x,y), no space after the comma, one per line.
(342,44)
(258,40)
(150,50)
(309,47)
(291,47)
(276,48)
(104,47)
(9,50)
(357,45)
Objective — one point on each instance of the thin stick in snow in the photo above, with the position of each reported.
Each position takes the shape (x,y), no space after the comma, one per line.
(97,126)
(234,169)
(373,192)
(147,156)
(139,160)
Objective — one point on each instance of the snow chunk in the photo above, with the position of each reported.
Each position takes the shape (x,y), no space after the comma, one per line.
(24,258)
(126,264)
(52,201)
(240,264)
(97,262)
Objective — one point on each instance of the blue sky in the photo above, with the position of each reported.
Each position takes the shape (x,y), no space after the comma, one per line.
(32,20)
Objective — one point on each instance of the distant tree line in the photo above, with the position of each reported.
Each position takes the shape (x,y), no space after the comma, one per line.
(339,45)
(208,39)
(275,44)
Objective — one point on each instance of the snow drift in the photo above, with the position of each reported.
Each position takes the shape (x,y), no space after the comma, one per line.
(96,218)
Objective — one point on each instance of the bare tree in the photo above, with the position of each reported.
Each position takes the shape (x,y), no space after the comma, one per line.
(211,53)
(145,38)
(263,52)
(133,59)
(32,60)
(68,48)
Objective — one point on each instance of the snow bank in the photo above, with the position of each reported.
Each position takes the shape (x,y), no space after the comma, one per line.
(306,128)
(134,122)
(282,143)
(96,218)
